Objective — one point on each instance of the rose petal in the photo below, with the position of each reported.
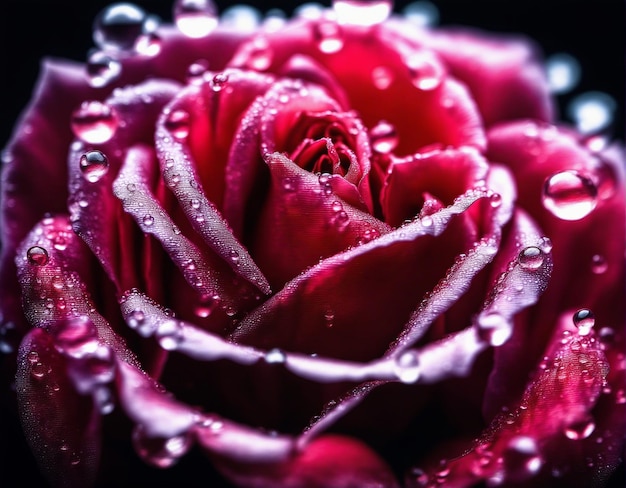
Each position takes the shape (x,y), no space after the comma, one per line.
(504,75)
(408,180)
(451,114)
(332,460)
(62,426)
(332,224)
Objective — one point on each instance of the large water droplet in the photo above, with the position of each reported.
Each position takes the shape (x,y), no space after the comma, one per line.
(94,122)
(195,18)
(580,429)
(328,36)
(563,72)
(569,195)
(599,264)
(242,18)
(407,366)
(424,70)
(531,258)
(382,77)
(93,165)
(177,122)
(169,334)
(384,137)
(584,319)
(102,69)
(158,451)
(522,459)
(362,12)
(494,328)
(275,356)
(118,26)
(76,336)
(37,256)
(149,44)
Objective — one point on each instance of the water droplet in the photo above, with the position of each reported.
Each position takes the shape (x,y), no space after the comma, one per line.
(328,36)
(592,112)
(620,397)
(206,306)
(158,451)
(599,264)
(177,122)
(584,319)
(102,69)
(495,200)
(275,356)
(196,71)
(259,54)
(329,318)
(94,122)
(38,370)
(422,13)
(76,336)
(522,459)
(407,366)
(170,334)
(234,257)
(103,398)
(545,245)
(580,429)
(148,220)
(93,165)
(569,195)
(494,328)
(531,258)
(117,27)
(563,72)
(427,221)
(362,12)
(382,77)
(195,18)
(148,44)
(425,71)
(219,81)
(37,256)
(384,137)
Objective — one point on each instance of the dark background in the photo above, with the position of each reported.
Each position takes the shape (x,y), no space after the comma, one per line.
(592,31)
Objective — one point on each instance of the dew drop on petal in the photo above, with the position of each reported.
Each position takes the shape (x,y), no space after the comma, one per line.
(328,36)
(93,165)
(424,70)
(259,54)
(599,264)
(383,137)
(94,122)
(494,328)
(382,77)
(580,429)
(243,18)
(563,72)
(407,366)
(177,122)
(569,195)
(117,27)
(102,69)
(531,258)
(196,71)
(149,44)
(584,319)
(275,356)
(148,220)
(76,336)
(157,451)
(195,18)
(38,370)
(219,81)
(495,200)
(362,12)
(522,459)
(169,334)
(37,256)
(427,221)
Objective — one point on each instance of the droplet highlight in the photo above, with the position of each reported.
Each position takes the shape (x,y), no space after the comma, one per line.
(94,122)
(569,195)
(195,18)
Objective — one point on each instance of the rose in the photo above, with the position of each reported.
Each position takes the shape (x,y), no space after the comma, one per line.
(274,131)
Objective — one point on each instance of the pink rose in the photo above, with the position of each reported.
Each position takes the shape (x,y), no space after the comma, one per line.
(331,251)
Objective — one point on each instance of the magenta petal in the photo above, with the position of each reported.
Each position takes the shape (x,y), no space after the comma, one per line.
(332,225)
(504,76)
(62,426)
(329,461)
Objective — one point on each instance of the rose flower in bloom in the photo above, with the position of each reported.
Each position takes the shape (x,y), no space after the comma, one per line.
(338,250)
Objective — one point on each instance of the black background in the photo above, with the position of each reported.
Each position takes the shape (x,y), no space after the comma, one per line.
(592,31)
